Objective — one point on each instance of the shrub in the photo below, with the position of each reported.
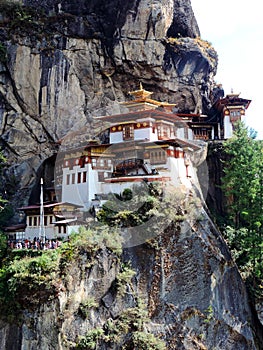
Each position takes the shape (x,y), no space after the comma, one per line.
(85,306)
(127,332)
(124,277)
(147,341)
(90,340)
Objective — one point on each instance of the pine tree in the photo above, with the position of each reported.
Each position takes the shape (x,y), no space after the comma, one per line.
(242,184)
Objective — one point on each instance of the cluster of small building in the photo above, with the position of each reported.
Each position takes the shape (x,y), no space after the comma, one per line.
(149,142)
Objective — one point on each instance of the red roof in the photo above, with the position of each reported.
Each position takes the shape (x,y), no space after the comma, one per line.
(232,100)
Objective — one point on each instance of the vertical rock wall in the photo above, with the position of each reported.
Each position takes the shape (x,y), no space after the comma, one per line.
(65,63)
(188,283)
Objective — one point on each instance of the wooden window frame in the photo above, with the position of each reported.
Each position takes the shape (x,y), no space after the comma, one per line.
(128,132)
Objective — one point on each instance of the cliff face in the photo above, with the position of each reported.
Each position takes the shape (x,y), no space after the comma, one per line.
(184,278)
(66,63)
(59,68)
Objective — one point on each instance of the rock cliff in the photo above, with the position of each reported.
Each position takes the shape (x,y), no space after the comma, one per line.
(63,62)
(185,292)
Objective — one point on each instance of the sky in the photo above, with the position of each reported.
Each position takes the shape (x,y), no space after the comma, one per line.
(235,30)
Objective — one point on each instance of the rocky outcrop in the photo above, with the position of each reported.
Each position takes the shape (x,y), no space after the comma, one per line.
(193,267)
(62,66)
(185,279)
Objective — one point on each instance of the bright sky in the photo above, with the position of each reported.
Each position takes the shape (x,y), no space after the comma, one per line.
(235,29)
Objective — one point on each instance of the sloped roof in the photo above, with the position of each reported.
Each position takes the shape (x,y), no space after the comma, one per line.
(151,113)
(14,228)
(195,145)
(49,205)
(231,100)
(65,221)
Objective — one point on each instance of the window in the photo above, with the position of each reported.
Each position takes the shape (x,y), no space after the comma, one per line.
(94,162)
(30,221)
(79,178)
(235,113)
(100,163)
(101,176)
(20,235)
(202,133)
(73,179)
(45,220)
(62,229)
(68,179)
(166,131)
(185,133)
(158,157)
(84,176)
(160,132)
(35,220)
(128,132)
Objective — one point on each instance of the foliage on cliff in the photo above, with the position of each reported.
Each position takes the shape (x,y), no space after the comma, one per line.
(30,276)
(127,332)
(155,204)
(243,185)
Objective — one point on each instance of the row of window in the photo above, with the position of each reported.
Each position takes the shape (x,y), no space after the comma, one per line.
(202,133)
(80,177)
(83,161)
(162,130)
(158,157)
(101,163)
(35,220)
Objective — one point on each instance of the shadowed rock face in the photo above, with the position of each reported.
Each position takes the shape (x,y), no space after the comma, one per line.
(109,17)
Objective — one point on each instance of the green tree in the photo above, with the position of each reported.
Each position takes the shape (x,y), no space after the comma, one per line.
(242,184)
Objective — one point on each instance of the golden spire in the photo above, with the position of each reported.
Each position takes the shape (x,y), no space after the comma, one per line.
(141,93)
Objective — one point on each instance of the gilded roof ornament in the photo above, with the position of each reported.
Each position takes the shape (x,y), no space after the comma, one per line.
(141,93)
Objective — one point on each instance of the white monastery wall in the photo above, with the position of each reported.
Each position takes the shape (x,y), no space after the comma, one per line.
(145,133)
(228,128)
(116,137)
(180,133)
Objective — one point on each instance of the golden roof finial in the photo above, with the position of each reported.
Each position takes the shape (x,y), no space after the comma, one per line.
(141,101)
(141,93)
